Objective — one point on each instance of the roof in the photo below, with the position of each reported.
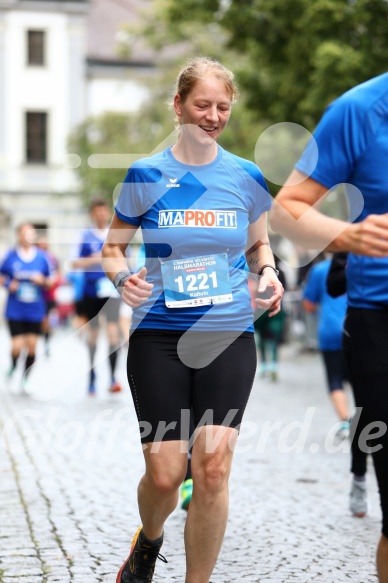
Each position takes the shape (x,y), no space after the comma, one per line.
(105,21)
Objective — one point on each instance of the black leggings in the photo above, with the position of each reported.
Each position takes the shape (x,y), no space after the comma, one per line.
(212,374)
(365,349)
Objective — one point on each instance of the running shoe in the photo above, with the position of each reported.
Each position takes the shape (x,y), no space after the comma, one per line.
(92,383)
(186,493)
(9,373)
(25,386)
(344,430)
(115,387)
(140,565)
(358,502)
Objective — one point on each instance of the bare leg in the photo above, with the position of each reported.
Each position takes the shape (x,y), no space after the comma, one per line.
(17,344)
(340,402)
(208,511)
(159,487)
(382,560)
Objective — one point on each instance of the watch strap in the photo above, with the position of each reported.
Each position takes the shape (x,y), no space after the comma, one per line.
(260,272)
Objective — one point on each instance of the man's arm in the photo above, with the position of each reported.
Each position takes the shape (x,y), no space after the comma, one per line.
(295,214)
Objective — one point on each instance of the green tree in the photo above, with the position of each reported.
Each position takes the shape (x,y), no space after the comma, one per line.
(143,132)
(294,57)
(121,136)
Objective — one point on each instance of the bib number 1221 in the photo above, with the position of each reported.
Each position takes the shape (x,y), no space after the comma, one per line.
(196,282)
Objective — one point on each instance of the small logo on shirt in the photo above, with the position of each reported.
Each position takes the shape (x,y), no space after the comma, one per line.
(173,183)
(198,218)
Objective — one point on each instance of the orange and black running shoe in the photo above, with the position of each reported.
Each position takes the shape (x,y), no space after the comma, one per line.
(140,565)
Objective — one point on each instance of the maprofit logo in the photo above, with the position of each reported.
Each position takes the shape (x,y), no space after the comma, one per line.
(198,218)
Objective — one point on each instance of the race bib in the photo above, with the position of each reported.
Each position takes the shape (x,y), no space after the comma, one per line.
(196,281)
(105,288)
(27,292)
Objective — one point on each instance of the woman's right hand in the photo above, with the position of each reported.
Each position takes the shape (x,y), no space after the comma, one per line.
(136,289)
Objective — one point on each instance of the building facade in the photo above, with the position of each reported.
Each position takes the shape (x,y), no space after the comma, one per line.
(55,71)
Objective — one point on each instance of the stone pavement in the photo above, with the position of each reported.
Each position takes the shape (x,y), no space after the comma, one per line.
(70,464)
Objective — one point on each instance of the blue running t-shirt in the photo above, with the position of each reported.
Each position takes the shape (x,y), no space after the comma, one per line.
(191,212)
(95,282)
(331,310)
(352,140)
(27,304)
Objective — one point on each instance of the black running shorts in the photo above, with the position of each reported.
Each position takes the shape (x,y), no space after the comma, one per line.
(21,327)
(92,307)
(335,368)
(171,372)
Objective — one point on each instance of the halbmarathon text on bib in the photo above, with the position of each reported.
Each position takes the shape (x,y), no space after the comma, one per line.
(198,218)
(196,281)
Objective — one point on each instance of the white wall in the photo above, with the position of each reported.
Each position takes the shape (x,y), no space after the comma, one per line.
(120,95)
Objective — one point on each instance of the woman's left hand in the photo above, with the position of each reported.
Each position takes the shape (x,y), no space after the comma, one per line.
(271,292)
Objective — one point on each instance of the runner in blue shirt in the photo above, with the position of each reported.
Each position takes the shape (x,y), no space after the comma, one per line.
(331,316)
(202,214)
(99,295)
(352,140)
(25,273)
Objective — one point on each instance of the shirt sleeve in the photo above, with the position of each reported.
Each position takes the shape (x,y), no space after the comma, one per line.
(262,200)
(4,266)
(47,269)
(257,192)
(134,198)
(339,140)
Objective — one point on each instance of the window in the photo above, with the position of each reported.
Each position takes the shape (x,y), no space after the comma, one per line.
(35,47)
(36,137)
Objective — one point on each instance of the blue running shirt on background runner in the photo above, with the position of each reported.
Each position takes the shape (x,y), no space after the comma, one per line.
(332,311)
(27,304)
(96,283)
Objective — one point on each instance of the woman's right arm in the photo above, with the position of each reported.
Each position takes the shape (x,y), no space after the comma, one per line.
(136,289)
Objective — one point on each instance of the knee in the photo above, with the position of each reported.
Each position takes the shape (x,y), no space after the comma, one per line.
(211,475)
(165,482)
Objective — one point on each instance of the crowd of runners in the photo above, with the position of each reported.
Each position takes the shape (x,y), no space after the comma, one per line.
(204,298)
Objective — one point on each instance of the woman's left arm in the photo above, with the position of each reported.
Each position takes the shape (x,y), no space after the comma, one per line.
(259,254)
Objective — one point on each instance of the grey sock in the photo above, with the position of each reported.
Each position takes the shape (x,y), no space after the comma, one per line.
(156,541)
(359,478)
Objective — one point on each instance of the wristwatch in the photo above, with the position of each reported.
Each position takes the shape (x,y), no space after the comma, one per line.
(120,278)
(260,272)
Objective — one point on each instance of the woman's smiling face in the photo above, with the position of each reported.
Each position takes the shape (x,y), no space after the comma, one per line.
(207,106)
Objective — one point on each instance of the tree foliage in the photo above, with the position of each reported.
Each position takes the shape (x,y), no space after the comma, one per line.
(142,132)
(294,57)
(115,134)
(290,59)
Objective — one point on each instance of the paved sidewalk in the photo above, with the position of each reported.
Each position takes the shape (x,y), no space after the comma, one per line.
(70,464)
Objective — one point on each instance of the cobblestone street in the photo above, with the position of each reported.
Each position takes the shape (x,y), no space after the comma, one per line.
(70,465)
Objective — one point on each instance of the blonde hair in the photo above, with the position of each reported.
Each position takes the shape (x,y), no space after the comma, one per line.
(199,68)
